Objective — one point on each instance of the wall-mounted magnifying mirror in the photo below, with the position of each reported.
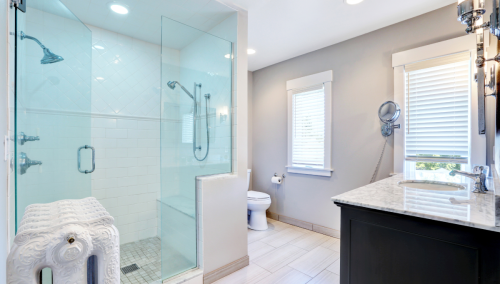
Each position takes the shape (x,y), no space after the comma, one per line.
(388,113)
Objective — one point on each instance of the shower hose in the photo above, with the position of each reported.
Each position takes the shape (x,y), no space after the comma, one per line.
(208,133)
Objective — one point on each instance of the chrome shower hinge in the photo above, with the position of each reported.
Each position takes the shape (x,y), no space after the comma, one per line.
(19,4)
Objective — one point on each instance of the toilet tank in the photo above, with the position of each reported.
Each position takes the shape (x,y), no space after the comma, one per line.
(248,178)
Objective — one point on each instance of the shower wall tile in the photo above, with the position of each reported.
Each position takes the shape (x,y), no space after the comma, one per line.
(126,130)
(125,75)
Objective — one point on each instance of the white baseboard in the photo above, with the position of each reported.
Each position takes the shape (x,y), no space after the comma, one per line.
(303,224)
(224,271)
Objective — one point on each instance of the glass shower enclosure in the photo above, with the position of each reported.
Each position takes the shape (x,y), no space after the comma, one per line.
(53,158)
(195,134)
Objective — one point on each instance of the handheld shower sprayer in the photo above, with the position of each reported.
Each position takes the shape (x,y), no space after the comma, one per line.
(171,85)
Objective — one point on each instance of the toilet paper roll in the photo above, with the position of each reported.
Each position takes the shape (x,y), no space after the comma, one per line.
(276,180)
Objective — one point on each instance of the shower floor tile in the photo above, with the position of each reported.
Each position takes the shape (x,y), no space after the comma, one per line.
(147,255)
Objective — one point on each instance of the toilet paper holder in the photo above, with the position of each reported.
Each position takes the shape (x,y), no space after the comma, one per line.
(282,176)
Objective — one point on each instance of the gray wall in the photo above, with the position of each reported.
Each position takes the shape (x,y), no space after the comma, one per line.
(363,79)
(250,123)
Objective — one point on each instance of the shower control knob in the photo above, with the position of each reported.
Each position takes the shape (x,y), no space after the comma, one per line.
(23,138)
(25,163)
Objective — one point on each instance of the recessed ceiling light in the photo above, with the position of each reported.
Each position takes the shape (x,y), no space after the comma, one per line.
(120,9)
(353,2)
(251,51)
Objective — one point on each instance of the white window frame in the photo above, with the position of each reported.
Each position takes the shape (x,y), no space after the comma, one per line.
(477,143)
(326,79)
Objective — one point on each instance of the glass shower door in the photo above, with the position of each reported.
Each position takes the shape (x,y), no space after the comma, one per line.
(52,106)
(195,133)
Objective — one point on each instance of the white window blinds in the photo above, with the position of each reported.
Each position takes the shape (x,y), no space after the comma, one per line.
(437,109)
(308,125)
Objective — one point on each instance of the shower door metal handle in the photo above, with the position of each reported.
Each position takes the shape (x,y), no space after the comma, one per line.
(79,159)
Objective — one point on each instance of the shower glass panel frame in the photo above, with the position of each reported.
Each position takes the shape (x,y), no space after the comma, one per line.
(196,134)
(52,105)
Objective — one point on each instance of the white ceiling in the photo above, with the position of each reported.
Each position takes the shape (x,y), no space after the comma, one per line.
(278,29)
(283,29)
(144,18)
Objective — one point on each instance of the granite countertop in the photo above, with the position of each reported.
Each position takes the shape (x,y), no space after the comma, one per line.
(457,207)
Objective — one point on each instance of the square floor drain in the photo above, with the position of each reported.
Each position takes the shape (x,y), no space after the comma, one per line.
(129,268)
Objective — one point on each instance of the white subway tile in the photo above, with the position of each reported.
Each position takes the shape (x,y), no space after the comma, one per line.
(126,162)
(126,143)
(116,173)
(98,132)
(116,192)
(104,122)
(137,171)
(126,124)
(148,143)
(116,153)
(153,152)
(118,211)
(154,187)
(99,194)
(104,143)
(148,161)
(116,133)
(137,152)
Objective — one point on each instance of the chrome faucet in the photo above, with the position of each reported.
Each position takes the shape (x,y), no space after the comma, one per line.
(477,175)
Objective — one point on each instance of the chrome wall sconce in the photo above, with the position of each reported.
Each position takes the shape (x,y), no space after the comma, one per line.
(223,117)
(470,13)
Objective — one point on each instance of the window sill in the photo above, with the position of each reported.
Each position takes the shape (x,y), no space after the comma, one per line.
(307,171)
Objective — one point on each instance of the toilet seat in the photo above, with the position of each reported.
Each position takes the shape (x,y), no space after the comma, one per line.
(257,196)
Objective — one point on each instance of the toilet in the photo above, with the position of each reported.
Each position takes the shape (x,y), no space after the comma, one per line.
(258,203)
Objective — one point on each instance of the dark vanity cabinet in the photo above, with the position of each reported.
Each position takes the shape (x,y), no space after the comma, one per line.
(379,247)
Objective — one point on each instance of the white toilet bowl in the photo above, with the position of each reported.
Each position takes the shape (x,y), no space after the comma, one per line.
(258,203)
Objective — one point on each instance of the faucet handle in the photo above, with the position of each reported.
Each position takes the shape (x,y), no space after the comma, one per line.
(478,169)
(481,179)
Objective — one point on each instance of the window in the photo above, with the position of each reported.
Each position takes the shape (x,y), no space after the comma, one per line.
(435,86)
(309,124)
(437,112)
(187,128)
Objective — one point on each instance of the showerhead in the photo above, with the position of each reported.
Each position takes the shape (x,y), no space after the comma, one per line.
(171,85)
(48,56)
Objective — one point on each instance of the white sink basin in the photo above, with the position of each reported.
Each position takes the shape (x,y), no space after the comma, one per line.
(431,185)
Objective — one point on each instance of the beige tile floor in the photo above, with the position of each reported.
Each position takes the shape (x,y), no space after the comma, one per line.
(287,254)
